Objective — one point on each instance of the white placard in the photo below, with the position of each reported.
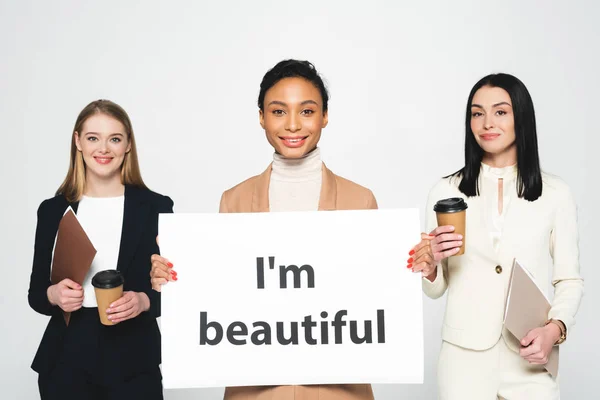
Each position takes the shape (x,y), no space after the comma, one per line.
(356,317)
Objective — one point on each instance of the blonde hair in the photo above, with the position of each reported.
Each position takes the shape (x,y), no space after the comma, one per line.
(73,186)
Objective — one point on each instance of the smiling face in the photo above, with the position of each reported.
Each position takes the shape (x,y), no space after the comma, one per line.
(493,123)
(293,117)
(103,142)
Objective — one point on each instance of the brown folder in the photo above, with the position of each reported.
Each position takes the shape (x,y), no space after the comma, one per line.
(73,253)
(527,308)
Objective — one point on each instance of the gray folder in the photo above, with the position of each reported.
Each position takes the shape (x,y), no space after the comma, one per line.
(527,308)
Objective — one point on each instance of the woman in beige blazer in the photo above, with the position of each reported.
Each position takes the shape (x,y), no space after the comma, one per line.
(514,211)
(292,111)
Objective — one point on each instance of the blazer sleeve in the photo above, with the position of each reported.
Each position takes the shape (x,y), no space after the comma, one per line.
(438,287)
(223,204)
(371,202)
(163,206)
(564,249)
(42,260)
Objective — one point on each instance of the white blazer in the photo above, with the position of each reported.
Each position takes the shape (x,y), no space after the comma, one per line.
(542,235)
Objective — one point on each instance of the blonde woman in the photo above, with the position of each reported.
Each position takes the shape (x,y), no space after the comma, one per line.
(87,360)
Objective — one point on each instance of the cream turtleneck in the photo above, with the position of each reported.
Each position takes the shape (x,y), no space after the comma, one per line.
(296,183)
(489,189)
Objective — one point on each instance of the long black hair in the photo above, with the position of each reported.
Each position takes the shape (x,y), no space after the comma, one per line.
(529,176)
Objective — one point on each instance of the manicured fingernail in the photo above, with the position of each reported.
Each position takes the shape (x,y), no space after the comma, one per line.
(173,273)
(410,260)
(409,266)
(410,253)
(170,264)
(175,277)
(460,237)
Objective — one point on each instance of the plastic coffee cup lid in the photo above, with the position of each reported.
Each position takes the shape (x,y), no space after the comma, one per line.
(451,205)
(108,279)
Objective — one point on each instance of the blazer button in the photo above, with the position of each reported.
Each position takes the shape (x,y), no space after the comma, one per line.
(498,269)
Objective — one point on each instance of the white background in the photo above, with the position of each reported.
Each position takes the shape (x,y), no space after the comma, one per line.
(188,73)
(352,254)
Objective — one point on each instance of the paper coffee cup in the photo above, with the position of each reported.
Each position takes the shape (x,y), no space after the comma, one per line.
(108,286)
(453,211)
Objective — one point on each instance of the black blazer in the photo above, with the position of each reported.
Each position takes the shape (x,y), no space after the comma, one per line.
(130,346)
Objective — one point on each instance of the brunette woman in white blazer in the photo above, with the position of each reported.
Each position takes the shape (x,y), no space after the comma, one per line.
(514,211)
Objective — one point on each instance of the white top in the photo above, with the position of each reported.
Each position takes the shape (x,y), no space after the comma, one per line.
(489,191)
(296,183)
(102,220)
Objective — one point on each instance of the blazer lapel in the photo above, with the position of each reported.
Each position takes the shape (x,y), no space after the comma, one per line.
(134,213)
(328,198)
(260,196)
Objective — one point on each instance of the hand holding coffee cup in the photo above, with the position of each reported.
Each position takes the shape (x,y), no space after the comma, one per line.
(449,237)
(129,306)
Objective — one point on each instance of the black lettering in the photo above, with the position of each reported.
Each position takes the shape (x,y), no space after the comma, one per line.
(337,325)
(368,337)
(310,275)
(237,332)
(293,336)
(380,326)
(204,326)
(271,262)
(237,328)
(265,332)
(260,273)
(308,324)
(324,329)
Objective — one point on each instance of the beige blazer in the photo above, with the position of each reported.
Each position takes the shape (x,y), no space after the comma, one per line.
(337,193)
(542,235)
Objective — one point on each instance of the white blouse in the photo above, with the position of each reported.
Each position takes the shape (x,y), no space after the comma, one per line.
(492,179)
(102,220)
